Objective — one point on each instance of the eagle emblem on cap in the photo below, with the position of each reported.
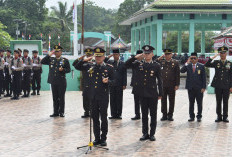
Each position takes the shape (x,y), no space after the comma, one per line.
(88,50)
(146,48)
(56,47)
(166,51)
(98,50)
(222,48)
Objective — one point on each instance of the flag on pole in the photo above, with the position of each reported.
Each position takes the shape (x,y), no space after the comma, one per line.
(29,36)
(73,13)
(41,36)
(22,36)
(49,43)
(59,39)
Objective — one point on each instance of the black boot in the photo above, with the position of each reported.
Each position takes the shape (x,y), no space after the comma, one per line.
(137,117)
(33,93)
(38,92)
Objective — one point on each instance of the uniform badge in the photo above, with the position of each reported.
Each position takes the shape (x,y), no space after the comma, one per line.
(228,66)
(199,72)
(152,72)
(152,75)
(51,66)
(173,64)
(218,65)
(91,70)
(106,71)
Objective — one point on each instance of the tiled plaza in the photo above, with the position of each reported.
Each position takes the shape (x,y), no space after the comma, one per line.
(28,131)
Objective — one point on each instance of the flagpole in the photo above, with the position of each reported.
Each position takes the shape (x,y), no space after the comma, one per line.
(82,34)
(75,35)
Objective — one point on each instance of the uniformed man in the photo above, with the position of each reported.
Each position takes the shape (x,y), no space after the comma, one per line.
(171,81)
(37,70)
(101,76)
(20,56)
(85,83)
(135,90)
(149,73)
(26,82)
(120,83)
(8,80)
(58,67)
(16,68)
(1,73)
(196,85)
(222,82)
(2,76)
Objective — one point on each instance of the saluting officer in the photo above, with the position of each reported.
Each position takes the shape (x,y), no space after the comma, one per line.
(149,73)
(171,80)
(58,67)
(16,68)
(1,73)
(85,83)
(26,82)
(8,80)
(120,83)
(101,77)
(222,82)
(134,80)
(37,70)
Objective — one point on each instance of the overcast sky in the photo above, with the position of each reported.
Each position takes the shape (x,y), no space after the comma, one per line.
(108,4)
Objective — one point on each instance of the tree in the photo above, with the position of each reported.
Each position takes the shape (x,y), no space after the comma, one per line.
(4,37)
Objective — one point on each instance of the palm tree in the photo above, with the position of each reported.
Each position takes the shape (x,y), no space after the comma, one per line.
(62,15)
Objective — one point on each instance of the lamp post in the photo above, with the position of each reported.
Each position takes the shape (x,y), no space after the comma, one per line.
(17,27)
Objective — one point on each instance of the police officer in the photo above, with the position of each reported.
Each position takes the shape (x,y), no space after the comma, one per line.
(171,81)
(134,79)
(222,82)
(26,82)
(58,67)
(149,73)
(37,70)
(8,80)
(85,83)
(2,62)
(101,76)
(120,83)
(196,85)
(16,68)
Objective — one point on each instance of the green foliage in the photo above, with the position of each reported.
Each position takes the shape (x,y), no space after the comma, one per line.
(4,37)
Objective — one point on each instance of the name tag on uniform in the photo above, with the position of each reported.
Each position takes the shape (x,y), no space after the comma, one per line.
(199,72)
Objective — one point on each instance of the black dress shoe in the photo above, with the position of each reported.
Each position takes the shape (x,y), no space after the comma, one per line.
(191,119)
(152,138)
(62,115)
(218,120)
(24,96)
(164,118)
(85,116)
(103,143)
(33,93)
(96,142)
(113,117)
(119,117)
(198,119)
(226,120)
(170,119)
(135,118)
(38,93)
(54,115)
(144,137)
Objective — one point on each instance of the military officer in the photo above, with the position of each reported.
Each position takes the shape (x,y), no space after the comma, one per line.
(101,77)
(149,73)
(222,82)
(120,83)
(85,83)
(196,85)
(16,68)
(8,80)
(2,62)
(37,70)
(171,80)
(58,67)
(135,90)
(26,82)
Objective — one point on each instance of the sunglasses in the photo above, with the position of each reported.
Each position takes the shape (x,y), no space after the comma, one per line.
(193,58)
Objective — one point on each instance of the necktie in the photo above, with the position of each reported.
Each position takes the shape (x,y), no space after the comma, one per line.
(194,68)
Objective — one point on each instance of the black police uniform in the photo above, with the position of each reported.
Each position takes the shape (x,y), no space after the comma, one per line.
(57,79)
(148,75)
(99,94)
(134,79)
(171,78)
(26,81)
(37,71)
(222,82)
(116,89)
(8,80)
(1,75)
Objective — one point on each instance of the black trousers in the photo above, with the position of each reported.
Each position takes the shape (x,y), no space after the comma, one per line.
(26,82)
(149,104)
(99,108)
(58,93)
(116,97)
(8,83)
(222,94)
(137,104)
(36,80)
(86,103)
(1,81)
(16,85)
(195,94)
(170,93)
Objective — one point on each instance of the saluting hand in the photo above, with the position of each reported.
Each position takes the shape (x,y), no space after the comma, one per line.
(82,57)
(215,55)
(110,56)
(138,55)
(188,61)
(51,53)
(88,59)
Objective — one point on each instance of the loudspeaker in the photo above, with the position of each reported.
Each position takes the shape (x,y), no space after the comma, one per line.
(160,16)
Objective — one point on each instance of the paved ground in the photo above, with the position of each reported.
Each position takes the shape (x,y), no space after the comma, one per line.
(28,131)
